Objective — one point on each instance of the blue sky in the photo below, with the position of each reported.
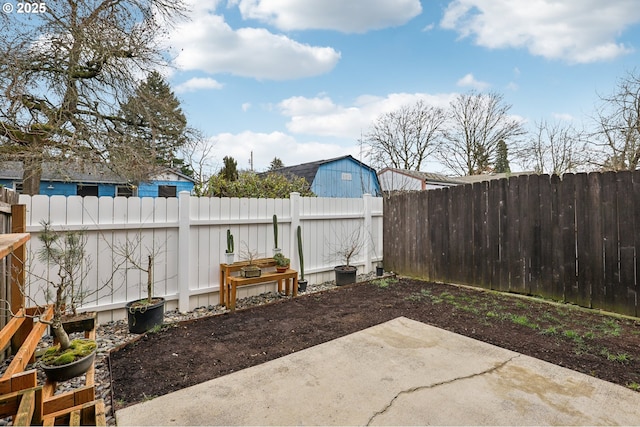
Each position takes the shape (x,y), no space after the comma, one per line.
(303,79)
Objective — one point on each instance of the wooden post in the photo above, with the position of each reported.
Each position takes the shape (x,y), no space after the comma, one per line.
(18,225)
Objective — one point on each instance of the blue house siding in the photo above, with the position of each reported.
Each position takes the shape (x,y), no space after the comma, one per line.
(345,178)
(150,189)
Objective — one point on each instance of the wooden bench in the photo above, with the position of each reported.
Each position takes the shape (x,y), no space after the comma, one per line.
(287,276)
(229,283)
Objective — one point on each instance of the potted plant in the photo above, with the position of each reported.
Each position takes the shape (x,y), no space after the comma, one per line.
(302,283)
(282,263)
(66,252)
(379,269)
(250,270)
(146,313)
(276,249)
(349,247)
(229,255)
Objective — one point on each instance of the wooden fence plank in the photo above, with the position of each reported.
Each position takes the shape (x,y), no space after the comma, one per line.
(625,289)
(594,207)
(556,287)
(567,212)
(610,239)
(585,255)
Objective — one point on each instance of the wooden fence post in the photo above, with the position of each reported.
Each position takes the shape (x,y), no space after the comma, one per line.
(295,222)
(18,225)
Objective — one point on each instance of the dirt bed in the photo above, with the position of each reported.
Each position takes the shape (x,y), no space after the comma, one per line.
(188,353)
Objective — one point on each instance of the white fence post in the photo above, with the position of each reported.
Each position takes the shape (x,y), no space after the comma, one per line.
(295,222)
(184,230)
(366,244)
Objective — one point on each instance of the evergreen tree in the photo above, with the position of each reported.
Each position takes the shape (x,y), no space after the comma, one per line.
(155,122)
(502,158)
(275,164)
(229,170)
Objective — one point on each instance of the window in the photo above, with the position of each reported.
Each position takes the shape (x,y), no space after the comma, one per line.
(17,186)
(87,190)
(125,190)
(167,191)
(346,176)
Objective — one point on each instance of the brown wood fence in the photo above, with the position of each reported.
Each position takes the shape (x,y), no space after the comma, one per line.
(7,199)
(575,239)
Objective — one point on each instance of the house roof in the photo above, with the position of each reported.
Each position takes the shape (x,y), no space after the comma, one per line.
(426,176)
(309,170)
(72,172)
(470,179)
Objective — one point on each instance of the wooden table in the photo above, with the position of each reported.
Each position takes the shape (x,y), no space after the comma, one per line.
(229,283)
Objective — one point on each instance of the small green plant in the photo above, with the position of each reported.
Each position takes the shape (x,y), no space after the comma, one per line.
(620,357)
(551,330)
(281,260)
(573,335)
(230,245)
(523,321)
(384,283)
(634,386)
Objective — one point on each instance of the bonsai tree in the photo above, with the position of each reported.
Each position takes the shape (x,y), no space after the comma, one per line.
(142,260)
(147,313)
(66,252)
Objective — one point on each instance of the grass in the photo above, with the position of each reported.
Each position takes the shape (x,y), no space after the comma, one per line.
(553,322)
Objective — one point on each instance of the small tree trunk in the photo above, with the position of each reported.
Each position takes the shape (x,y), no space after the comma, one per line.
(60,334)
(56,323)
(150,279)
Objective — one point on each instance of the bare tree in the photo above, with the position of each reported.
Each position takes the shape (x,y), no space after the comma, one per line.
(65,71)
(196,153)
(477,123)
(554,148)
(616,141)
(407,137)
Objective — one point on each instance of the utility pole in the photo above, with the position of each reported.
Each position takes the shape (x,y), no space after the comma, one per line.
(251,161)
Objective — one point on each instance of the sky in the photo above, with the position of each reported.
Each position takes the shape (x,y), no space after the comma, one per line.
(303,80)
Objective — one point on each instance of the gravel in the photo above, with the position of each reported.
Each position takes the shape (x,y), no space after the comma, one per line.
(112,335)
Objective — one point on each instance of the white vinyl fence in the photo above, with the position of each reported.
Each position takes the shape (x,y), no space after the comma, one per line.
(188,236)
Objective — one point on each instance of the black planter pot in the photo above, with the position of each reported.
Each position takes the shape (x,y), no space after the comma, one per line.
(379,271)
(302,285)
(70,370)
(345,275)
(143,317)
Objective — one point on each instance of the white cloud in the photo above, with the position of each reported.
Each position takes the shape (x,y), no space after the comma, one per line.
(578,31)
(198,83)
(266,146)
(246,106)
(565,117)
(321,116)
(470,81)
(207,43)
(348,16)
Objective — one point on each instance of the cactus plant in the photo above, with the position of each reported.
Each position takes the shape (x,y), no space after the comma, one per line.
(275,231)
(230,248)
(299,232)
